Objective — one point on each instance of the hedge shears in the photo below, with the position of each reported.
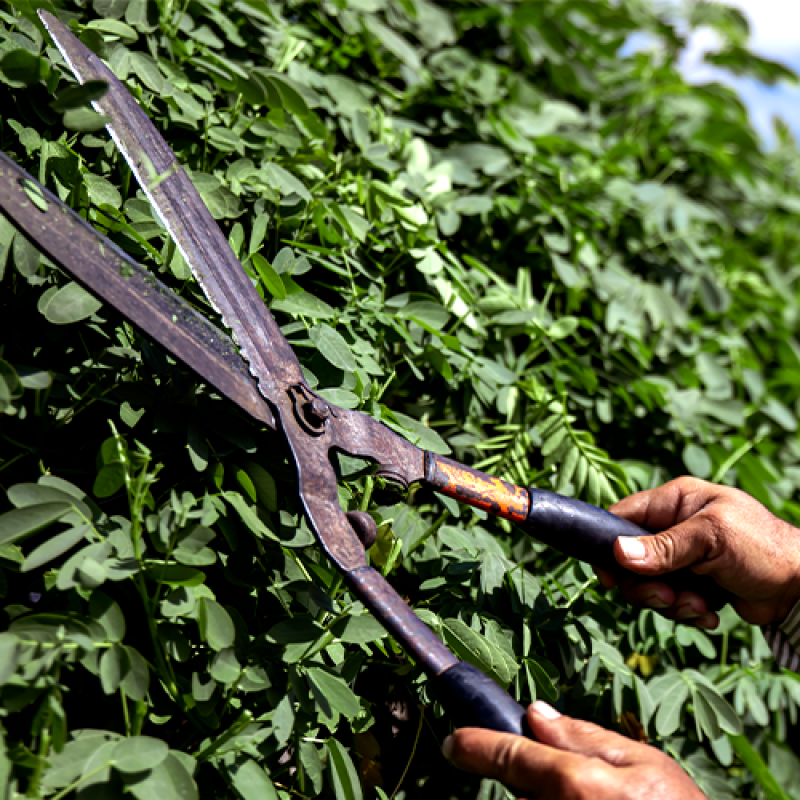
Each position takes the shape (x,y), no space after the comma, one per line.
(261,374)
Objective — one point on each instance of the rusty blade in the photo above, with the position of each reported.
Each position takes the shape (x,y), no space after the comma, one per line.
(108,272)
(194,231)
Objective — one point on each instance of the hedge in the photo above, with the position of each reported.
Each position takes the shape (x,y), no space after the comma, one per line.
(475,221)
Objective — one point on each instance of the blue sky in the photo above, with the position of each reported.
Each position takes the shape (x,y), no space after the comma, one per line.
(775,34)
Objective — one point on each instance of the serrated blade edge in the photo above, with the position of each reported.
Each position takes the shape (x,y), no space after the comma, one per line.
(98,264)
(188,221)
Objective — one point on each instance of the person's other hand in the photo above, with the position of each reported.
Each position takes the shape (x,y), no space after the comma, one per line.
(571,760)
(713,530)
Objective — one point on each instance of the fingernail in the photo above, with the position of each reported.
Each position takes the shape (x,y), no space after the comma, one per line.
(656,601)
(548,712)
(685,612)
(632,548)
(447,748)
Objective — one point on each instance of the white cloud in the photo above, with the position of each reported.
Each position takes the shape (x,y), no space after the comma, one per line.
(775,25)
(775,34)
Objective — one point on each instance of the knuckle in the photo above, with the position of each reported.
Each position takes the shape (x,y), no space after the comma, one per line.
(509,757)
(665,548)
(589,780)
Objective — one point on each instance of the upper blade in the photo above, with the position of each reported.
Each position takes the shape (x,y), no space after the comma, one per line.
(101,266)
(194,231)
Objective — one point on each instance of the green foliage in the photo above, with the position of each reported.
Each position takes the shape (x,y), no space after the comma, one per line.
(478,224)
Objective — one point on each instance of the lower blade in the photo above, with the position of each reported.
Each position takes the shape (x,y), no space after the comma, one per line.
(108,272)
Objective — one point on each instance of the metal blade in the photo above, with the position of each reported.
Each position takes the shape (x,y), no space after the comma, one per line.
(104,269)
(188,220)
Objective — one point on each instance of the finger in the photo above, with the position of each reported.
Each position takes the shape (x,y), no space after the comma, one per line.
(685,607)
(584,738)
(667,505)
(684,545)
(533,769)
(607,578)
(648,594)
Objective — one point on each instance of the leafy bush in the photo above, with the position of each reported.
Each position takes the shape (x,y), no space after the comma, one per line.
(481,225)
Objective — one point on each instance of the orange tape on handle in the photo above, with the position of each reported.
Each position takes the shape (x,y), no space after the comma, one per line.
(476,488)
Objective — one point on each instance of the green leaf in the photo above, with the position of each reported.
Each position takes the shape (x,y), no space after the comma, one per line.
(469,645)
(137,679)
(283,720)
(305,305)
(174,575)
(264,485)
(330,688)
(114,665)
(563,328)
(251,782)
(22,522)
(392,41)
(294,630)
(85,120)
(102,191)
(108,613)
(68,765)
(248,515)
(333,346)
(216,625)
(23,67)
(225,668)
(55,546)
(726,718)
(697,461)
(78,96)
(169,780)
(145,68)
(35,194)
(358,630)
(342,772)
(139,753)
(30,494)
(753,761)
(285,182)
(10,387)
(71,303)
(115,28)
(271,280)
(9,656)
(668,716)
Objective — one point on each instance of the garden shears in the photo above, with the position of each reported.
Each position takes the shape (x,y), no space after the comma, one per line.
(261,374)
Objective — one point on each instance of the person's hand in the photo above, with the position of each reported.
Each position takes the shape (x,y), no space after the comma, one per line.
(571,760)
(713,530)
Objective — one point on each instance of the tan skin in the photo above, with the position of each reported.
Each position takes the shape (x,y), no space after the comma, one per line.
(712,530)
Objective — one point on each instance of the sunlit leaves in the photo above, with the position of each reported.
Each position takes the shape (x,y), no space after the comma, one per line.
(473,223)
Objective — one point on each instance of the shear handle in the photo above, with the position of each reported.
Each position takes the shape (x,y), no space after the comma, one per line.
(469,697)
(575,528)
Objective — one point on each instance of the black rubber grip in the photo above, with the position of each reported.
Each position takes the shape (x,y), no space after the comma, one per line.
(473,700)
(588,533)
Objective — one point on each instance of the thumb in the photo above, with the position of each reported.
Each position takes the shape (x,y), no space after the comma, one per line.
(583,738)
(680,546)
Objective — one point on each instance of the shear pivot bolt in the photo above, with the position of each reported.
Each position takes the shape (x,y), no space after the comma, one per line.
(319,409)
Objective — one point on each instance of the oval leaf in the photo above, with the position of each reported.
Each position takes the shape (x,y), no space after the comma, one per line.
(69,304)
(139,753)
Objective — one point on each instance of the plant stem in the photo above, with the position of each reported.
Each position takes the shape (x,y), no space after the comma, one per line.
(413,753)
(125,713)
(244,719)
(75,784)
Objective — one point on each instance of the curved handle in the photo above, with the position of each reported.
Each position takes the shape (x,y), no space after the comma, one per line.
(571,526)
(469,697)
(472,699)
